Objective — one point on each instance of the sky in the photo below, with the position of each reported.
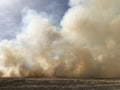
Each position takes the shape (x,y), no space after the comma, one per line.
(11,13)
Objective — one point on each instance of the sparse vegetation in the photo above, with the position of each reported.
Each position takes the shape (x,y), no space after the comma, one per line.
(58,84)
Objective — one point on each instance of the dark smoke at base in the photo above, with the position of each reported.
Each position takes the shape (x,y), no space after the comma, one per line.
(87,45)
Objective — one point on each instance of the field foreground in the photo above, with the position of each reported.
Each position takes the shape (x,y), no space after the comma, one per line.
(58,84)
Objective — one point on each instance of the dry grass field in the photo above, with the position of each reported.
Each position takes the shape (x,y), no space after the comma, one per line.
(58,84)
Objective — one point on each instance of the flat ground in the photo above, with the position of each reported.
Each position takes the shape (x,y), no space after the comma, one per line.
(58,84)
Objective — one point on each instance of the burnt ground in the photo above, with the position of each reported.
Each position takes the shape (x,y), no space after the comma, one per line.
(58,84)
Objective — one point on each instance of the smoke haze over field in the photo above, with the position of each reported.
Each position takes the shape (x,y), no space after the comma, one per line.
(86,45)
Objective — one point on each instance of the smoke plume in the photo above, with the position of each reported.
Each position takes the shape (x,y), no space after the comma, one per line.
(87,46)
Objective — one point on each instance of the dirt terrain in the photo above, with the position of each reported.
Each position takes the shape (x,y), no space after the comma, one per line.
(58,84)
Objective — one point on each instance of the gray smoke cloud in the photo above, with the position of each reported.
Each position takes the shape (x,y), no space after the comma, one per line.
(11,15)
(87,46)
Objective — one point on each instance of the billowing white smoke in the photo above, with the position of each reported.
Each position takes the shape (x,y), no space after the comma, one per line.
(94,24)
(86,46)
